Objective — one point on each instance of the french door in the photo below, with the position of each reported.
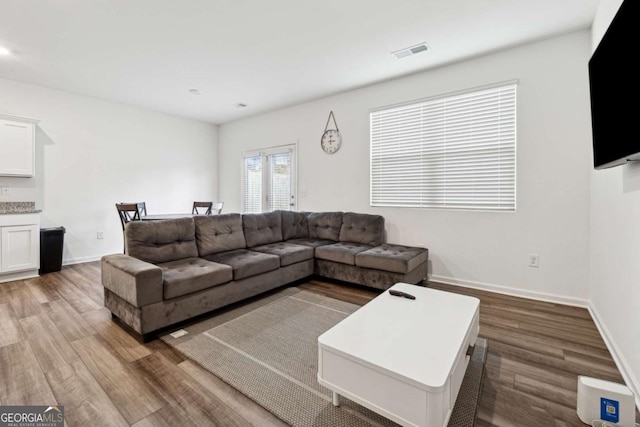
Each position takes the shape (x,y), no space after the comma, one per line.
(268,179)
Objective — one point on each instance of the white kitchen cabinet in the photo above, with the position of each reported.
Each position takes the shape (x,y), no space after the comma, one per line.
(19,246)
(17,141)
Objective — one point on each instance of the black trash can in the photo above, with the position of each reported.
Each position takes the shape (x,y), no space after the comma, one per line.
(51,243)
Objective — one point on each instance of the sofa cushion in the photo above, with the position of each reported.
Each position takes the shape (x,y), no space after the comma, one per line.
(246,263)
(294,225)
(342,252)
(325,225)
(313,243)
(396,258)
(362,228)
(161,241)
(190,275)
(262,228)
(219,233)
(289,253)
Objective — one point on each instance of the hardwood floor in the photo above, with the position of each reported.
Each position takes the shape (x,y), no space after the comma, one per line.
(58,345)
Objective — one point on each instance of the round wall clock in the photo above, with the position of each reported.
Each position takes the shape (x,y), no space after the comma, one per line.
(331,140)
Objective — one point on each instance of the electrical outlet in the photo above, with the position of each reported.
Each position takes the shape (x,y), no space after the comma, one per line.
(100,235)
(5,191)
(534,260)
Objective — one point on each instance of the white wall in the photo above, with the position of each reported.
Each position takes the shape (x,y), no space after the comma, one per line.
(91,154)
(486,249)
(615,248)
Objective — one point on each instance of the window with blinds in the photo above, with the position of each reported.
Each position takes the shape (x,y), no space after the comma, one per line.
(452,152)
(268,180)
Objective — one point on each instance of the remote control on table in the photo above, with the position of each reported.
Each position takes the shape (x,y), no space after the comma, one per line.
(401,294)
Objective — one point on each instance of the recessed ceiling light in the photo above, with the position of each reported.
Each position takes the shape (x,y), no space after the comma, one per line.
(194,91)
(240,105)
(413,50)
(4,51)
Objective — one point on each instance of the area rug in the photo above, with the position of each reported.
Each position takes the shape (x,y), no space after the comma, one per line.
(267,349)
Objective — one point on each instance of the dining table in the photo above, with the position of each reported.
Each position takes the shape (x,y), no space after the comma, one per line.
(160,217)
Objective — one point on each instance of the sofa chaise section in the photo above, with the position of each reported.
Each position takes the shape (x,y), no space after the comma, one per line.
(362,257)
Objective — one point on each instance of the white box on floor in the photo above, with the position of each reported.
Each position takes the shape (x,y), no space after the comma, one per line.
(605,400)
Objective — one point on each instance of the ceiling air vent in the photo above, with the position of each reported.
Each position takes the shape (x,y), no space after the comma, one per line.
(413,50)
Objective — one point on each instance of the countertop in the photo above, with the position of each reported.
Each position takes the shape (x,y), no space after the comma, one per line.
(16,208)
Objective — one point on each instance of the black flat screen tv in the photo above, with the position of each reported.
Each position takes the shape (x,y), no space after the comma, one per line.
(613,81)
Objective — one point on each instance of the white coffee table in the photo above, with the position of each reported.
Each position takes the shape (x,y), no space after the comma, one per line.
(404,359)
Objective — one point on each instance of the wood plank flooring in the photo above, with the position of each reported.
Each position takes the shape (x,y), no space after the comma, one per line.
(58,345)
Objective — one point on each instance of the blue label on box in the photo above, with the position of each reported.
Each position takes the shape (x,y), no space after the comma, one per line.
(609,410)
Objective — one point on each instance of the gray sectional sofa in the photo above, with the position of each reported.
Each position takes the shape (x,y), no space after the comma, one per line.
(175,270)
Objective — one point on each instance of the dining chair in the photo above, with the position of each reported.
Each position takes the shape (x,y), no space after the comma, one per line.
(130,212)
(217,208)
(202,208)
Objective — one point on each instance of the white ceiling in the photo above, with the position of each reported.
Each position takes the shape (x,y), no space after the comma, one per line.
(267,54)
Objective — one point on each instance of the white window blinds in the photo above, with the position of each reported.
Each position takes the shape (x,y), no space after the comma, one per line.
(456,152)
(280,194)
(252,184)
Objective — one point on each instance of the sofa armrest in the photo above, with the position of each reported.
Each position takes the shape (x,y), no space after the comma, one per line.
(138,282)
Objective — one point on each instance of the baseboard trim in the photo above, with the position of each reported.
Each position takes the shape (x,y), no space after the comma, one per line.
(20,275)
(82,260)
(623,366)
(506,290)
